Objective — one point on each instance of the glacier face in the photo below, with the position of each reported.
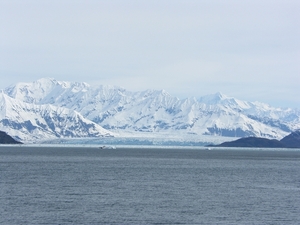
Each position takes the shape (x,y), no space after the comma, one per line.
(111,109)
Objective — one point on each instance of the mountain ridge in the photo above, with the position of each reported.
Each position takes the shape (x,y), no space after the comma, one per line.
(153,111)
(28,122)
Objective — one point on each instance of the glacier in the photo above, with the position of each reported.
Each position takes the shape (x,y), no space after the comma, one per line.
(35,111)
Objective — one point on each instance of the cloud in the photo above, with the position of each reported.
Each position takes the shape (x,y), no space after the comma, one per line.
(186,47)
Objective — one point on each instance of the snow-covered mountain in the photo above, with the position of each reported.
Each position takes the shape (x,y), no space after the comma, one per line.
(155,111)
(31,122)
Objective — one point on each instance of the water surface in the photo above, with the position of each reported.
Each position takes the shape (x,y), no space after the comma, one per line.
(85,185)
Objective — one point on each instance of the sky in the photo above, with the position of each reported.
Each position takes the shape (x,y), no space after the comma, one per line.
(246,49)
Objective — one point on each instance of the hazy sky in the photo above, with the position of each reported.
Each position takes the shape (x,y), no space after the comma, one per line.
(246,49)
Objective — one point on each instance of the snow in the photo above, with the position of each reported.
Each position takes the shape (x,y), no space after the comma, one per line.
(110,109)
(31,122)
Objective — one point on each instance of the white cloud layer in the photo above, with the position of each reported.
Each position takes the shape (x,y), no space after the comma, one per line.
(246,49)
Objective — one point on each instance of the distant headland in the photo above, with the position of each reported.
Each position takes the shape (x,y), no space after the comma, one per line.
(290,141)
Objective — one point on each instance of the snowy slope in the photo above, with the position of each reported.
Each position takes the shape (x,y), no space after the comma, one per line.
(31,122)
(117,109)
(285,119)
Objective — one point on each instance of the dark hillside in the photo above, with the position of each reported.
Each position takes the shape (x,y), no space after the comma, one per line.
(292,140)
(6,139)
(253,142)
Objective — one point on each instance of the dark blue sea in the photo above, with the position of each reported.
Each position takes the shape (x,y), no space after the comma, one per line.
(86,185)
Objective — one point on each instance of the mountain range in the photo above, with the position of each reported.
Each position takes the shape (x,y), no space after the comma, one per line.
(49,109)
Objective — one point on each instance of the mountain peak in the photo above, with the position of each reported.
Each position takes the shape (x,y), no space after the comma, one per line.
(220,96)
(46,79)
(213,98)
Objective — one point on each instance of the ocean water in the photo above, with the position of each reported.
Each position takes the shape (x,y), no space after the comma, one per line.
(85,185)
